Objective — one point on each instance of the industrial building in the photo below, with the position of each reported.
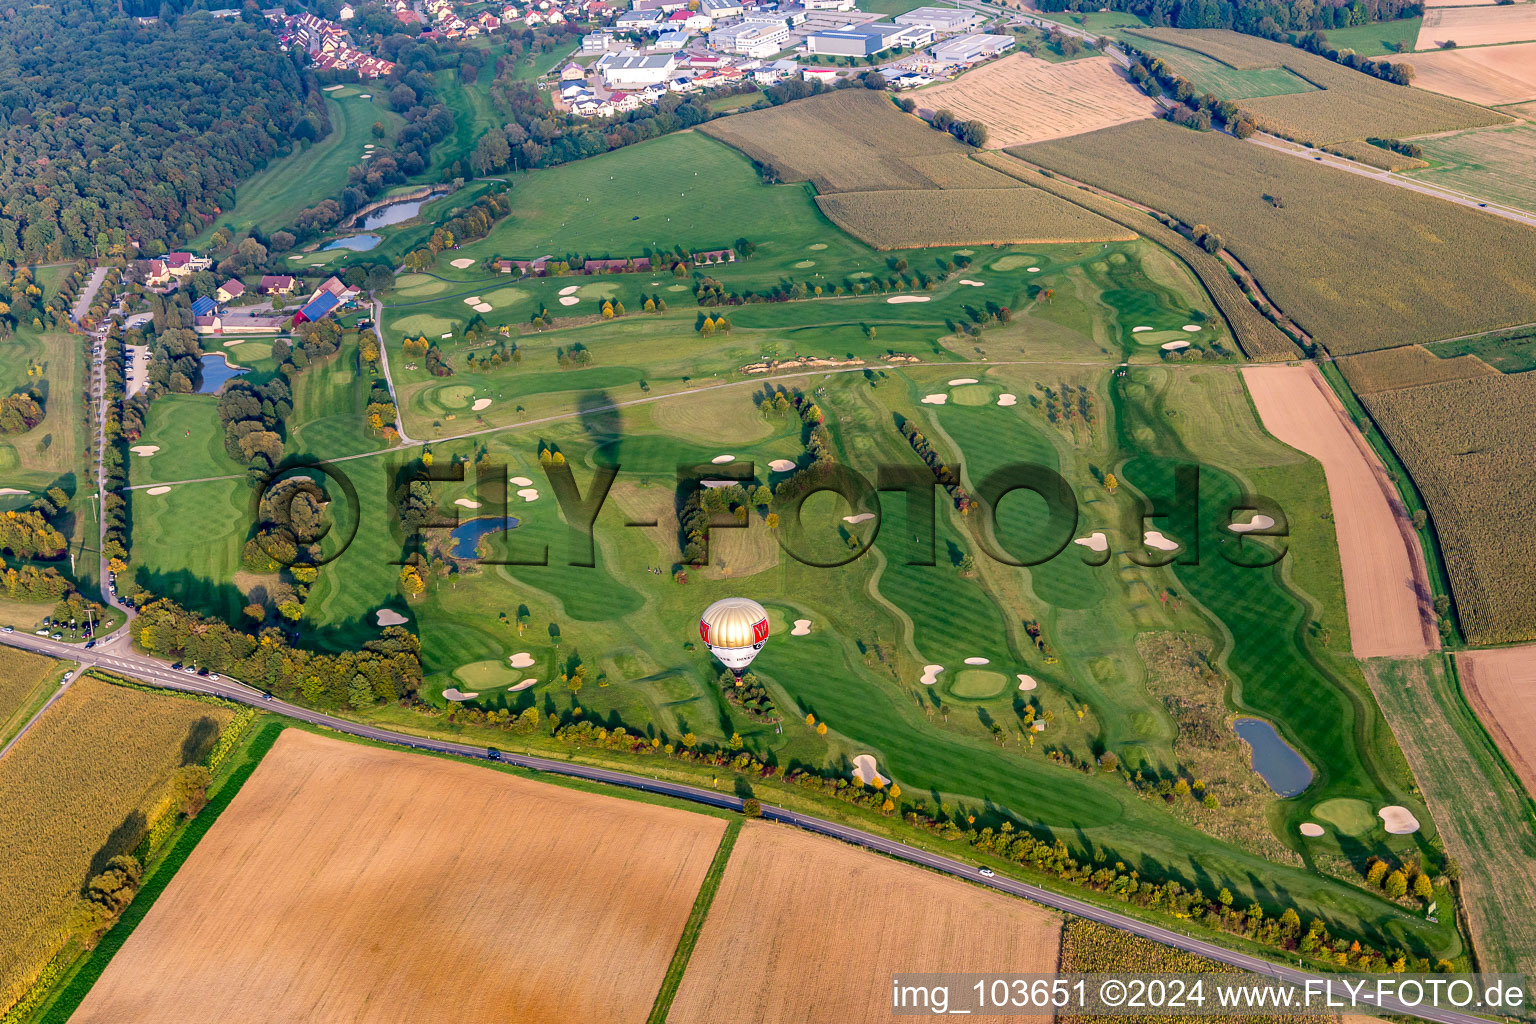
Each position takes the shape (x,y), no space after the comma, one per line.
(631,70)
(751,38)
(853,42)
(969,49)
(943,20)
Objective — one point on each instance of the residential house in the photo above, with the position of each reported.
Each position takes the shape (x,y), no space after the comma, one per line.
(230,290)
(204,306)
(595,42)
(157,274)
(182,264)
(276,284)
(348,12)
(674,40)
(769,74)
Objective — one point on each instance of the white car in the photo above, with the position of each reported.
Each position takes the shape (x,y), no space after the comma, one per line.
(987,873)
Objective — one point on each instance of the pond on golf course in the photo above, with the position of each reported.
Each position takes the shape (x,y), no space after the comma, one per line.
(466,536)
(1276,761)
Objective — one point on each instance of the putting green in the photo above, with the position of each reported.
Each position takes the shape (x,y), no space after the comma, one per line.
(977,683)
(418,286)
(971,394)
(1350,816)
(505,296)
(1013,261)
(453,396)
(483,675)
(423,323)
(1158,337)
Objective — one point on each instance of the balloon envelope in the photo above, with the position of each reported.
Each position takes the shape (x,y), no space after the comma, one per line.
(734,629)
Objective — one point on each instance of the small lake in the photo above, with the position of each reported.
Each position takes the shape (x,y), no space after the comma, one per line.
(216,371)
(395,213)
(357,243)
(1278,764)
(466,536)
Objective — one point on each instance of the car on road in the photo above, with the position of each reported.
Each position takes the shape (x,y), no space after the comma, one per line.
(493,753)
(987,873)
(89,644)
(8,629)
(40,632)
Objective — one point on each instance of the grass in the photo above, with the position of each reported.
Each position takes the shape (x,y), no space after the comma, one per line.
(273,197)
(1377,38)
(694,925)
(1463,275)
(78,789)
(1490,163)
(903,219)
(1506,351)
(1211,75)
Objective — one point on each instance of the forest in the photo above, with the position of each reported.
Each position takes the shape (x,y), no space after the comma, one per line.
(111,129)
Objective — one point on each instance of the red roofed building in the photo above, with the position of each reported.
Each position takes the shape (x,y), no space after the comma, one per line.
(276,284)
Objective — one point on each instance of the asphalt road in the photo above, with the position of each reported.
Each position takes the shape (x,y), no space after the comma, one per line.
(117,654)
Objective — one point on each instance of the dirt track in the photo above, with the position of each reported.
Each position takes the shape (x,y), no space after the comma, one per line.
(1501,687)
(349,883)
(1385,583)
(808,929)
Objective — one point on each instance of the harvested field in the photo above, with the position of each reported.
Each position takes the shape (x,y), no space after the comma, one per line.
(1259,338)
(805,928)
(1489,75)
(900,219)
(1469,271)
(1348,105)
(1477,26)
(519,900)
(1025,99)
(1496,164)
(1501,687)
(74,792)
(1408,367)
(1384,573)
(1467,444)
(852,140)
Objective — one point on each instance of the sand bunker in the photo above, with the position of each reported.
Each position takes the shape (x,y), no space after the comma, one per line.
(570,289)
(1027,682)
(978,661)
(473,300)
(781,465)
(859,518)
(1310,828)
(13,490)
(1258,522)
(466,503)
(1154,539)
(1398,820)
(522,685)
(935,399)
(1174,346)
(144,450)
(864,771)
(233,342)
(390,617)
(452,693)
(931,674)
(1138,329)
(568,300)
(158,490)
(906,298)
(1191,328)
(1095,541)
(962,380)
(482,307)
(1006,399)
(522,659)
(1033,270)
(331,88)
(802,628)
(521,481)
(481,403)
(973,284)
(721,460)
(528,493)
(460,263)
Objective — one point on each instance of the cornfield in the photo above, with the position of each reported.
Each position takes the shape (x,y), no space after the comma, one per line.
(1467,444)
(73,793)
(21,673)
(1358,264)
(903,219)
(1374,156)
(1347,104)
(1260,339)
(1408,367)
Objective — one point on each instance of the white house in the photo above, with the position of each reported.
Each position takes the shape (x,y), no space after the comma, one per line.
(779,70)
(347,12)
(631,70)
(674,40)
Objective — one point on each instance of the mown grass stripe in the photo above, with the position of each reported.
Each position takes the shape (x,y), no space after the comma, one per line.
(694,925)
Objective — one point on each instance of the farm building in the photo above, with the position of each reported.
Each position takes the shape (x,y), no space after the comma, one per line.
(968,49)
(230,290)
(940,19)
(328,298)
(751,38)
(631,70)
(204,306)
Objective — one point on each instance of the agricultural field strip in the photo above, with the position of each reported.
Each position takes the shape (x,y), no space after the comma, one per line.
(1384,572)
(153,672)
(1500,685)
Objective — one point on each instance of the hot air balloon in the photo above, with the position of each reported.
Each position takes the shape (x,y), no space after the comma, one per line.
(734,629)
